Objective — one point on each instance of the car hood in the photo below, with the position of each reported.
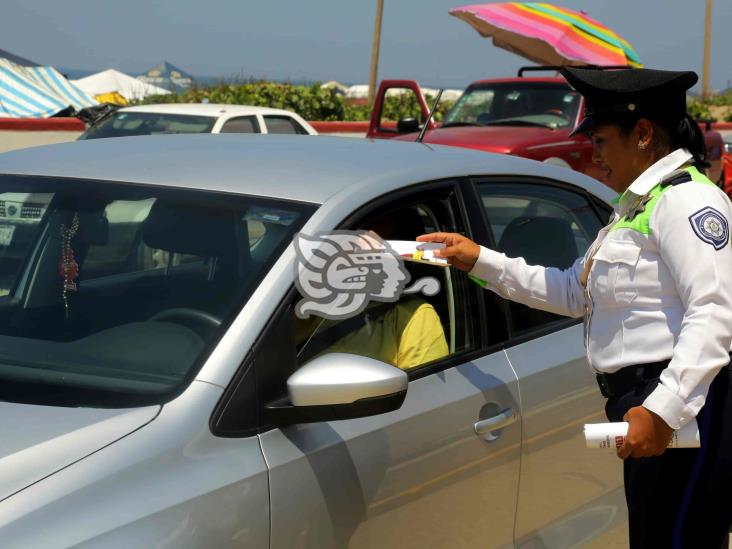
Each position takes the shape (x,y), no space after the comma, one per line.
(496,139)
(37,441)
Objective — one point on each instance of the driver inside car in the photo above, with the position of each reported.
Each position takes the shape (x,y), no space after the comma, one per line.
(405,334)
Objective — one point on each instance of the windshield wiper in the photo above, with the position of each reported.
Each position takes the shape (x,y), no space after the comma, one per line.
(457,124)
(518,123)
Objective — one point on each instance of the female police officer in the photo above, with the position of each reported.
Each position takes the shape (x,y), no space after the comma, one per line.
(656,291)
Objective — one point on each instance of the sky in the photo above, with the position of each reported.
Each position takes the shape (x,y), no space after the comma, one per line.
(331,39)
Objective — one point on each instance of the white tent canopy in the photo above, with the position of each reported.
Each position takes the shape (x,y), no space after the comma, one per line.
(112,80)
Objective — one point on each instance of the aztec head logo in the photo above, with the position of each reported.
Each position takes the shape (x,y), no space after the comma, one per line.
(338,273)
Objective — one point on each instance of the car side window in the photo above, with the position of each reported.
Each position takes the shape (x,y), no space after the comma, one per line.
(241,124)
(283,125)
(417,329)
(546,225)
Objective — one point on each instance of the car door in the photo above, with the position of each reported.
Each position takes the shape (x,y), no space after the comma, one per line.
(569,495)
(418,476)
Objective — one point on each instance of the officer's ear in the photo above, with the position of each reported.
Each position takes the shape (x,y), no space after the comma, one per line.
(645,130)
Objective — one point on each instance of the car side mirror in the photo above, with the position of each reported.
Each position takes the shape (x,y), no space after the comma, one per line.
(408,125)
(339,386)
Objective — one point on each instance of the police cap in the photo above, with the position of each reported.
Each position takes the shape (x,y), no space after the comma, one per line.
(644,92)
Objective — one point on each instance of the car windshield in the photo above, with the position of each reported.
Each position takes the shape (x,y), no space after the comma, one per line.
(122,124)
(113,295)
(545,104)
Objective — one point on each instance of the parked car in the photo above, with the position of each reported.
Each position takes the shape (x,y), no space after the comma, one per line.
(152,403)
(726,133)
(524,116)
(197,118)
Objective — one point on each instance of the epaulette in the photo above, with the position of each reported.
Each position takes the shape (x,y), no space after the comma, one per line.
(676,178)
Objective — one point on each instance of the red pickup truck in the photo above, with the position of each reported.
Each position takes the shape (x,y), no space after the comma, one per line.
(524,116)
(725,128)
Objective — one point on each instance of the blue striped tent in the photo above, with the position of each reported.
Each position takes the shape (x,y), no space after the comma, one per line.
(37,92)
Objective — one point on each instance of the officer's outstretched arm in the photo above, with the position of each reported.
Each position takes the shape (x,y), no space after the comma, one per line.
(546,288)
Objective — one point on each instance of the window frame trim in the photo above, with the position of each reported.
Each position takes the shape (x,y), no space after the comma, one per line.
(291,294)
(299,128)
(450,183)
(255,124)
(469,204)
(562,324)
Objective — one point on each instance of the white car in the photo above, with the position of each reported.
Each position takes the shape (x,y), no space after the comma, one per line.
(198,118)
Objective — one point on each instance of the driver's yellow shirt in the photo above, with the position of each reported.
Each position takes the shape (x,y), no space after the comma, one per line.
(409,334)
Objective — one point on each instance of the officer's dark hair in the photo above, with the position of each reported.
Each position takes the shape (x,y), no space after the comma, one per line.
(677,133)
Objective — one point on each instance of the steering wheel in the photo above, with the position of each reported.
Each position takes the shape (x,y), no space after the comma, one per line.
(557,112)
(201,322)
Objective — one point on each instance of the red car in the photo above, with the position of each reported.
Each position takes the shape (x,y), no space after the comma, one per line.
(725,128)
(524,116)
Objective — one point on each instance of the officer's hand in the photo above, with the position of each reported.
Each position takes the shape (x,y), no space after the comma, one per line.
(648,434)
(461,252)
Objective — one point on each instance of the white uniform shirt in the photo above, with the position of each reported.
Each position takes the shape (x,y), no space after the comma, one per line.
(657,296)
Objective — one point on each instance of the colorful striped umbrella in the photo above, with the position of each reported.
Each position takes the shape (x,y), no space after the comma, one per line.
(548,34)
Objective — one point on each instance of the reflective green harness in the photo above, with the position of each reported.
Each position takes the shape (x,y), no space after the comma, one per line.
(639,214)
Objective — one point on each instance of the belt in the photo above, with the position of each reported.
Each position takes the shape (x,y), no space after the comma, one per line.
(628,378)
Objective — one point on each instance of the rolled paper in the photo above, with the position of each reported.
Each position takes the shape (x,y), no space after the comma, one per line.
(612,435)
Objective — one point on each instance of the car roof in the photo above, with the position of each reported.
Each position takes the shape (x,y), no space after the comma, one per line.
(203,109)
(524,80)
(303,168)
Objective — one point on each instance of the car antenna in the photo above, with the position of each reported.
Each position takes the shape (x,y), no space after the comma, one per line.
(432,112)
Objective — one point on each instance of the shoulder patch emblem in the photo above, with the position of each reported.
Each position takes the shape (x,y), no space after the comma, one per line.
(711,227)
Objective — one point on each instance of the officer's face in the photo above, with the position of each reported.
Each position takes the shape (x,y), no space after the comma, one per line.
(618,156)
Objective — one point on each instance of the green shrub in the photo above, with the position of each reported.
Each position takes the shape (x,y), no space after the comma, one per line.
(406,106)
(721,99)
(698,109)
(310,102)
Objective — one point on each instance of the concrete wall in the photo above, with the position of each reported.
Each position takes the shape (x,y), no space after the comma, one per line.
(18,133)
(18,140)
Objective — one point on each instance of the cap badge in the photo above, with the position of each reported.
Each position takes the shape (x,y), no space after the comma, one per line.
(631,106)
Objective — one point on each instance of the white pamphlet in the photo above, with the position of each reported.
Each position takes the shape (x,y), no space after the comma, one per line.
(612,435)
(424,252)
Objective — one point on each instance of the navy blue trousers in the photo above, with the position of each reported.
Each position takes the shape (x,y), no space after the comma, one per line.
(682,498)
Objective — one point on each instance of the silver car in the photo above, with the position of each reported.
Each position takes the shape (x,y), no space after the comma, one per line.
(154,391)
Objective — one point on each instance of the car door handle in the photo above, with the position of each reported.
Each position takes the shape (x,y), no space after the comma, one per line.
(503,419)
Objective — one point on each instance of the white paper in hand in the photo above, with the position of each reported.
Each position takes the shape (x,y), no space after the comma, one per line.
(424,252)
(612,435)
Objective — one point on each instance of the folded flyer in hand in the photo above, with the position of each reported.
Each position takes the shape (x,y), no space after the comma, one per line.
(422,252)
(612,435)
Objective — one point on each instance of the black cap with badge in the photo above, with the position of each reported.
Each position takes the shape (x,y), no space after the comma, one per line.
(645,92)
